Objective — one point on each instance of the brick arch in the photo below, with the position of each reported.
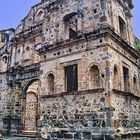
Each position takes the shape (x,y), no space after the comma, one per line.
(29,21)
(94,76)
(94,63)
(5,59)
(50,72)
(39,14)
(50,81)
(116,77)
(27,84)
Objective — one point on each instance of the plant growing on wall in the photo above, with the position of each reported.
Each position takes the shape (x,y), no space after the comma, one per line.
(137,44)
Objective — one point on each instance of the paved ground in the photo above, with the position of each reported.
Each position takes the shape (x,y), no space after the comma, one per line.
(19,138)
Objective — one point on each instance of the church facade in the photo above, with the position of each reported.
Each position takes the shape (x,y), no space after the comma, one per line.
(70,66)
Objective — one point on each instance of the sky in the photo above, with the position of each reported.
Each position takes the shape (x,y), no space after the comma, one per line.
(13,11)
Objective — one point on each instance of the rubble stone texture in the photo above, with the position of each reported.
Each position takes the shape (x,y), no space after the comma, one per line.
(71,66)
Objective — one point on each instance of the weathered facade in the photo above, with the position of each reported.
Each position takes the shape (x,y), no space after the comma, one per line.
(5,50)
(73,69)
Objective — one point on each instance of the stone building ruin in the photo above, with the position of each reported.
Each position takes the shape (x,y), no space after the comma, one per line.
(70,66)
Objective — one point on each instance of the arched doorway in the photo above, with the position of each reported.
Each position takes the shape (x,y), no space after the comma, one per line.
(31,112)
(31,107)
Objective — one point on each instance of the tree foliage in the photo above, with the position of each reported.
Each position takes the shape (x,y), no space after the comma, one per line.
(137,45)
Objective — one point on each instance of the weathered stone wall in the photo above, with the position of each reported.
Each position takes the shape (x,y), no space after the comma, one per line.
(3,96)
(44,38)
(116,10)
(3,63)
(126,112)
(75,54)
(127,60)
(54,15)
(89,15)
(76,112)
(25,54)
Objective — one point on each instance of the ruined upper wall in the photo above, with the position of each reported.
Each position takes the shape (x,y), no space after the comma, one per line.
(5,37)
(88,14)
(121,19)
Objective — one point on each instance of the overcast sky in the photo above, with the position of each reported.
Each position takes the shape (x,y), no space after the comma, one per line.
(12,11)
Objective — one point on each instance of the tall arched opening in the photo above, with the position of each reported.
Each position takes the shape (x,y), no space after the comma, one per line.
(31,110)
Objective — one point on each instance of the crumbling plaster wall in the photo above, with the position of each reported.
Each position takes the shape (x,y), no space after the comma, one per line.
(25,53)
(120,58)
(89,15)
(76,54)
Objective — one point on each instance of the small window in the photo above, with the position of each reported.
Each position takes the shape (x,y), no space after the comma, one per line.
(135,84)
(116,79)
(126,79)
(122,27)
(5,59)
(50,81)
(94,77)
(4,37)
(71,24)
(71,78)
(27,48)
(103,4)
(40,15)
(18,50)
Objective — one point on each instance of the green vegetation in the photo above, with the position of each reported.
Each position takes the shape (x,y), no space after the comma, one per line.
(137,45)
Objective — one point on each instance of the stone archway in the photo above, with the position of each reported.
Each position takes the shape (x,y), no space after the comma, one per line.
(31,112)
(31,107)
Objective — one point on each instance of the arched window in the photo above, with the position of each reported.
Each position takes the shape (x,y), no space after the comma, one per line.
(5,59)
(71,24)
(39,15)
(94,77)
(126,79)
(30,19)
(122,27)
(50,82)
(135,84)
(116,79)
(29,22)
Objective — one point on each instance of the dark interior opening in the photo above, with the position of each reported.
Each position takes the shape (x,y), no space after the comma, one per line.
(71,78)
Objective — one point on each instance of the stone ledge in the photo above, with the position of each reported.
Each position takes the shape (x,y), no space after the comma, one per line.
(73,93)
(126,93)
